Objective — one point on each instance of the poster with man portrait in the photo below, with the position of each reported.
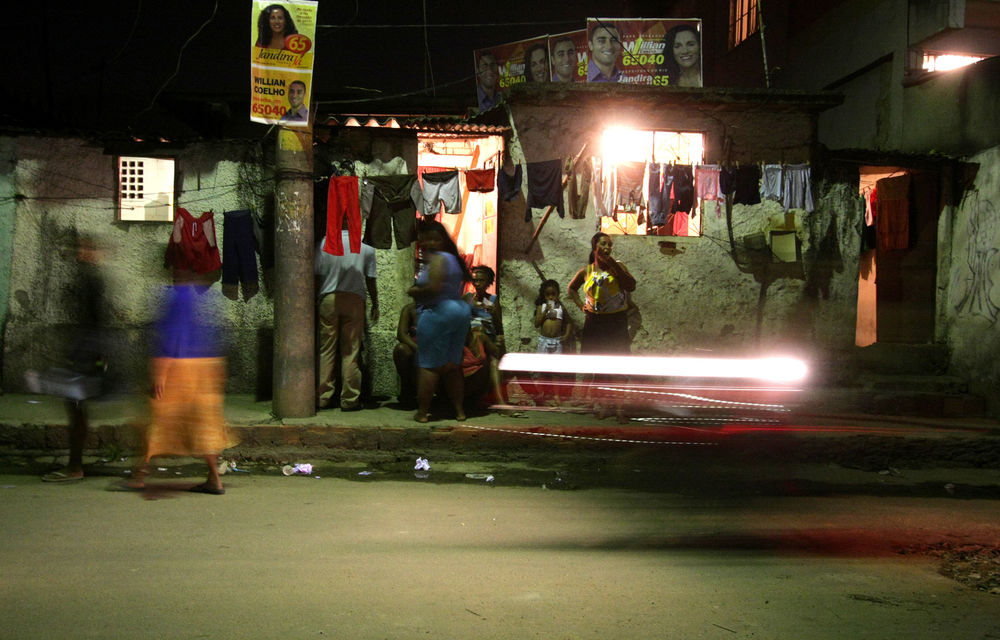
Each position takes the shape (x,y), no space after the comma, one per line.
(281,61)
(568,56)
(651,51)
(499,68)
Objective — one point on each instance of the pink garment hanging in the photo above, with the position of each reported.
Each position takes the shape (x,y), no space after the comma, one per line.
(706,181)
(342,199)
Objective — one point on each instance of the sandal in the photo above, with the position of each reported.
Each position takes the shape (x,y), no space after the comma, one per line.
(204,487)
(61,476)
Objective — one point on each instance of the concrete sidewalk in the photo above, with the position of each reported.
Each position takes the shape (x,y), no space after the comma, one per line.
(36,425)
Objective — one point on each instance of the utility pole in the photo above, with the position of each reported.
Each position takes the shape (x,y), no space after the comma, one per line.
(294,392)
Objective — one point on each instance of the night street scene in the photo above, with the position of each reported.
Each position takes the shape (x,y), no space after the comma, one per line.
(521,320)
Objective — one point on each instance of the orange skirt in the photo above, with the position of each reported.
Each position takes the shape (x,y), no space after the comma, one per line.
(187,418)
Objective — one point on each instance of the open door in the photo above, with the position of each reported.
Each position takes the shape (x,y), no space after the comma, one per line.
(897,280)
(474,229)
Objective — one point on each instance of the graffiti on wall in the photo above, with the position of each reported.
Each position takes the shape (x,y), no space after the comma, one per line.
(976,284)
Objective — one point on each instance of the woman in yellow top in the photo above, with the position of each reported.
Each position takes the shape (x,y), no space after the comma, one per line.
(606,284)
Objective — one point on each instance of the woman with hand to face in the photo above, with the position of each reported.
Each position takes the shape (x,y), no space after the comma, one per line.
(606,284)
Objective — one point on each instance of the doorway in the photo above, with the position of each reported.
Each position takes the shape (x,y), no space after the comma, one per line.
(474,229)
(898,269)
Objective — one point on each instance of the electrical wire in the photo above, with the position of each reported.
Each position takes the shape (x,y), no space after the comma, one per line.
(427,52)
(395,95)
(478,25)
(177,68)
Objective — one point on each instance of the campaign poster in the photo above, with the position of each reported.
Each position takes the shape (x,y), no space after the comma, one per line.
(651,51)
(281,61)
(499,68)
(568,56)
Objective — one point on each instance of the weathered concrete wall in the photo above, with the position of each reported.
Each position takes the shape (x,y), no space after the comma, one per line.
(8,205)
(696,299)
(961,104)
(66,186)
(973,295)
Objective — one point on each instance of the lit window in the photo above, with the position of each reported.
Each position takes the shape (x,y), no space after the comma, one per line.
(742,20)
(947,61)
(631,162)
(145,189)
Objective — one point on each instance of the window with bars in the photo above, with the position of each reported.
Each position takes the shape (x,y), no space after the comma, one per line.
(742,20)
(145,189)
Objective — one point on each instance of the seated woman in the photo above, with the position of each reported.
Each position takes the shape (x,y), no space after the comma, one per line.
(487,318)
(404,355)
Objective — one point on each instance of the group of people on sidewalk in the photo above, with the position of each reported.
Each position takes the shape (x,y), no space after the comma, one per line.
(450,338)
(446,337)
(187,372)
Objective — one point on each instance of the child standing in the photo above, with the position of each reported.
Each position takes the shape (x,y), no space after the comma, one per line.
(551,319)
(554,329)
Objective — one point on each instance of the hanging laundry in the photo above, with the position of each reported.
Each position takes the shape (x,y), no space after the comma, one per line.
(743,182)
(706,181)
(892,217)
(706,185)
(680,223)
(629,186)
(579,188)
(342,200)
(660,189)
(796,189)
(395,204)
(869,236)
(395,167)
(545,187)
(366,194)
(509,184)
(603,188)
(683,193)
(770,182)
(239,263)
(192,246)
(481,180)
(441,187)
(263,236)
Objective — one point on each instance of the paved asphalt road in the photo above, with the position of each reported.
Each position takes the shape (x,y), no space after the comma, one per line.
(603,549)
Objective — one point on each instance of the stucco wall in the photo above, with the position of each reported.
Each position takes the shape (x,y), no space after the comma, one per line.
(65,187)
(961,104)
(696,298)
(973,296)
(8,205)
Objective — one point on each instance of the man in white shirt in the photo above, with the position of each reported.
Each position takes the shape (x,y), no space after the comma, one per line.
(342,283)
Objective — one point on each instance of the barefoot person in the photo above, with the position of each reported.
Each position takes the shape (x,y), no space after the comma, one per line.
(86,360)
(442,321)
(189,378)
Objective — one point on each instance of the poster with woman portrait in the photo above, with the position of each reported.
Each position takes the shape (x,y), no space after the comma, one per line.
(501,67)
(281,61)
(651,51)
(568,56)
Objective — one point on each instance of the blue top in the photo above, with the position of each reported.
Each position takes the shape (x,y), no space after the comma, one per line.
(182,331)
(453,282)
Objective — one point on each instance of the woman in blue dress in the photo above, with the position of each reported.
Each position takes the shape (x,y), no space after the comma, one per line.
(442,320)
